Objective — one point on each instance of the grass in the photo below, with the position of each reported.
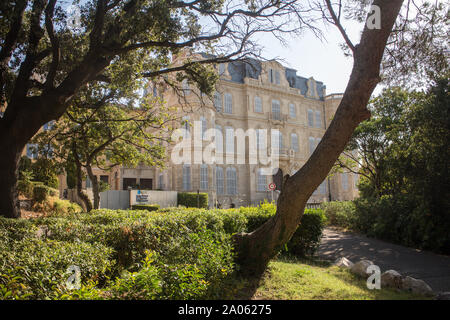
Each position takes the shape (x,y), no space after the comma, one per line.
(290,279)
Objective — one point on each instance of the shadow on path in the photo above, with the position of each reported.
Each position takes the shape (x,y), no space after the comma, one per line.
(430,267)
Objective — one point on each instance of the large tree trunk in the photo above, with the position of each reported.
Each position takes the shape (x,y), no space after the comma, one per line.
(255,249)
(94,186)
(9,164)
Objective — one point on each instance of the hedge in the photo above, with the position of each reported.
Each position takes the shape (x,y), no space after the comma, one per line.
(148,207)
(192,200)
(174,253)
(41,192)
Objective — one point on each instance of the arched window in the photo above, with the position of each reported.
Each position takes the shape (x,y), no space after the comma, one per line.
(204,126)
(186,177)
(294,142)
(219,180)
(218,137)
(231,181)
(312,145)
(186,87)
(218,101)
(204,177)
(344,178)
(310,118)
(228,108)
(261,181)
(229,140)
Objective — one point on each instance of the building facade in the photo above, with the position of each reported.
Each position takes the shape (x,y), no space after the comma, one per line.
(289,115)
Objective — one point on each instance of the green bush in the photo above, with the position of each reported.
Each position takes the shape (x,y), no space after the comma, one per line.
(42,192)
(192,199)
(174,253)
(44,171)
(62,207)
(306,238)
(341,214)
(37,269)
(25,188)
(148,207)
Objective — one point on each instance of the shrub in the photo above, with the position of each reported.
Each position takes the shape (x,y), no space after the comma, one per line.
(306,238)
(64,207)
(42,192)
(148,207)
(44,171)
(38,267)
(341,214)
(192,199)
(25,188)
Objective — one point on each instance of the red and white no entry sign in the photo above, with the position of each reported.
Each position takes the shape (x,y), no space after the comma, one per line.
(272,186)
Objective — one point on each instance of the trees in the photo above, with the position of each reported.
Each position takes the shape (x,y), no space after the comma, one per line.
(404,154)
(255,249)
(107,136)
(44,62)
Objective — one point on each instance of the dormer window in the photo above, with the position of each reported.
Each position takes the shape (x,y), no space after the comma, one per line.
(274,76)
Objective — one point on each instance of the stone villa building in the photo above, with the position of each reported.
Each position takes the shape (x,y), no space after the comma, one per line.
(258,95)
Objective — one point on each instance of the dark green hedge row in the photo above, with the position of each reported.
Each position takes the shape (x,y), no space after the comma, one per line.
(192,200)
(148,207)
(176,253)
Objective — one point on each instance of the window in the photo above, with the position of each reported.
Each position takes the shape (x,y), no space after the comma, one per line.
(186,87)
(276,110)
(310,118)
(219,139)
(219,180)
(323,187)
(294,142)
(146,184)
(318,119)
(271,76)
(258,104)
(218,101)
(104,178)
(221,69)
(261,181)
(276,141)
(204,126)
(126,183)
(292,111)
(317,142)
(231,181)
(229,140)
(344,177)
(161,181)
(312,145)
(355,180)
(186,127)
(32,150)
(204,177)
(277,77)
(228,108)
(186,177)
(261,143)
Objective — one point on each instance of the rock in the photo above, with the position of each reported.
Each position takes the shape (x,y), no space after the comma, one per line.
(343,262)
(416,286)
(391,279)
(360,267)
(443,296)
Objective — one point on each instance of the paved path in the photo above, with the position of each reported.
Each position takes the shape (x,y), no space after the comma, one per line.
(434,269)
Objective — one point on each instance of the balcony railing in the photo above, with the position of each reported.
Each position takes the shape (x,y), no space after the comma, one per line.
(277,116)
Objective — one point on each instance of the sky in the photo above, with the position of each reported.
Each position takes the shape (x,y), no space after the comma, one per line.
(323,60)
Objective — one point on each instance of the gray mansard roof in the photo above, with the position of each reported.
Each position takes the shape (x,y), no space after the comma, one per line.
(252,68)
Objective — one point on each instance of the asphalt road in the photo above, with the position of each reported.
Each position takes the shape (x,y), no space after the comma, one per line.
(434,269)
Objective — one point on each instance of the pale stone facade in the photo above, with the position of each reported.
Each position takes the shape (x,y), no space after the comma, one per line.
(259,95)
